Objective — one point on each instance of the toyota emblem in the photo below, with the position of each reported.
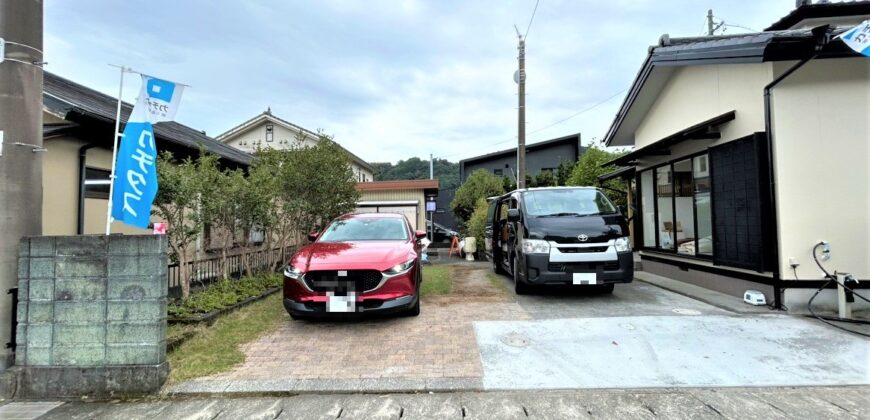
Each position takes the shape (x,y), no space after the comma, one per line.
(583,238)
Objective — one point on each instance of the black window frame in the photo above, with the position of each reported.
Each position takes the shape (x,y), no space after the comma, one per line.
(92,193)
(640,225)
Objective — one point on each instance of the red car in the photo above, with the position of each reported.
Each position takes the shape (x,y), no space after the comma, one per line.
(361,263)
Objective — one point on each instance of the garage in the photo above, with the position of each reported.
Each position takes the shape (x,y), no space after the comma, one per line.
(407,197)
(406,208)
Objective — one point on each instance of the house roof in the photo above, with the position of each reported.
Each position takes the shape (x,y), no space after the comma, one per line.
(268,116)
(77,103)
(569,139)
(820,11)
(429,185)
(672,53)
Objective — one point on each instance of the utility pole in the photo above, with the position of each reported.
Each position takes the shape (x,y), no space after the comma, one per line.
(431,167)
(20,160)
(712,27)
(520,78)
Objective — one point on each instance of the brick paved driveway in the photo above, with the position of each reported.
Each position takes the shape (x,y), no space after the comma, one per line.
(439,345)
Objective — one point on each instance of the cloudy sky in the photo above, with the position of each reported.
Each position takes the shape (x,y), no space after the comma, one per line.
(389,79)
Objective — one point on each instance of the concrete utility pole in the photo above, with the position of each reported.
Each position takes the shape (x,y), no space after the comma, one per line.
(521,135)
(20,162)
(712,27)
(431,167)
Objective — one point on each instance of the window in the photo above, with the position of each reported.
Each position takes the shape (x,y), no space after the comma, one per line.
(97,182)
(366,229)
(664,200)
(703,214)
(497,172)
(648,208)
(676,207)
(269,132)
(566,202)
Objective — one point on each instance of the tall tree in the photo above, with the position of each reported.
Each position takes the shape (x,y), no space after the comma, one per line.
(589,168)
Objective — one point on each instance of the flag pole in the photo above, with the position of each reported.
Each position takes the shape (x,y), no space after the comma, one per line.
(114,151)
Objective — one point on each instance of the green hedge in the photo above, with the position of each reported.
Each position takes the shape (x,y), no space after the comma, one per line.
(224,294)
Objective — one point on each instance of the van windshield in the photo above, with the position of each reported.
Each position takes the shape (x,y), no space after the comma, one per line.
(566,202)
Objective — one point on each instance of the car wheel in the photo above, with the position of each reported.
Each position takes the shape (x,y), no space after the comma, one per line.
(520,287)
(415,310)
(606,288)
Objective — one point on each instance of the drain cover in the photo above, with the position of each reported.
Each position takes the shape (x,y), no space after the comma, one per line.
(682,311)
(515,339)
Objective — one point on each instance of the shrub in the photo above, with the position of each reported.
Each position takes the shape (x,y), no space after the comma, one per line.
(224,294)
(477,222)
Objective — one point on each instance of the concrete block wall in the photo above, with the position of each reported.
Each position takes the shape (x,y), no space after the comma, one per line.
(92,301)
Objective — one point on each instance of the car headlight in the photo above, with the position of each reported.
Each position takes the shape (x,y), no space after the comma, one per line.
(536,246)
(400,268)
(622,244)
(292,272)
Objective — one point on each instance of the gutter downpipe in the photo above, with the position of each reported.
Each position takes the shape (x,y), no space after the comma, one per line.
(822,37)
(83,154)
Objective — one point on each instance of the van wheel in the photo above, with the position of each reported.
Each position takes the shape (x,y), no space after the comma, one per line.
(520,287)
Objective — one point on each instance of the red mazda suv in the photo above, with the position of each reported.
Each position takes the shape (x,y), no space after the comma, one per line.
(361,263)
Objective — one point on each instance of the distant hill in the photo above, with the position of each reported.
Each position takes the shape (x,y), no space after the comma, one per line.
(415,168)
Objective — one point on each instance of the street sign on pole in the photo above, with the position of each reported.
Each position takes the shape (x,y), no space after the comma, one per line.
(2,50)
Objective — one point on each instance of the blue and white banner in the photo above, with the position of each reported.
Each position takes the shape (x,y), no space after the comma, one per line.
(135,181)
(858,38)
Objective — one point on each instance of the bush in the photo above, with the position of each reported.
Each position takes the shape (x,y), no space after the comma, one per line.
(224,294)
(477,222)
(480,184)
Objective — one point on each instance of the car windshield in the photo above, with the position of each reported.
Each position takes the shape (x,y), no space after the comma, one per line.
(365,229)
(566,202)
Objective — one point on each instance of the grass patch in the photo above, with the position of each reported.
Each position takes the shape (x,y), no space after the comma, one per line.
(496,281)
(224,294)
(216,349)
(436,280)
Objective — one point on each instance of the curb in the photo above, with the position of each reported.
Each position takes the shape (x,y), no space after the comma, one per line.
(291,387)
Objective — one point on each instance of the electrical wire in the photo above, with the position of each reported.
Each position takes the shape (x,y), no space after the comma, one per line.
(813,297)
(532,19)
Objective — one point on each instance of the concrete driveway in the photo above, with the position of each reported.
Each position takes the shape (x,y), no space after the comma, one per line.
(484,337)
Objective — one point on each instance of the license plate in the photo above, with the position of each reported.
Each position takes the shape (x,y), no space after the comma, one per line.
(341,303)
(585,278)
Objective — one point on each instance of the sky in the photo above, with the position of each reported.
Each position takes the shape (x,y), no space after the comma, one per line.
(389,80)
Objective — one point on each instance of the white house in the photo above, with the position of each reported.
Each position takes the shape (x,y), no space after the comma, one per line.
(266,130)
(750,149)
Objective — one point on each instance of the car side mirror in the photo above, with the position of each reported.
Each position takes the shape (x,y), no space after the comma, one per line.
(513,215)
(622,210)
(313,236)
(420,234)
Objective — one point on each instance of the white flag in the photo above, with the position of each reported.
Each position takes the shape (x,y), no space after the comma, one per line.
(158,100)
(858,38)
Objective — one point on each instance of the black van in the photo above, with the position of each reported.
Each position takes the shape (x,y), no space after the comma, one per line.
(559,235)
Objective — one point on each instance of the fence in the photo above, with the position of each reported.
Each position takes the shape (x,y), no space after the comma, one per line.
(207,270)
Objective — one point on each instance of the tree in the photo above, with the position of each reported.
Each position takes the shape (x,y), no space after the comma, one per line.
(588,169)
(477,221)
(480,184)
(183,194)
(446,172)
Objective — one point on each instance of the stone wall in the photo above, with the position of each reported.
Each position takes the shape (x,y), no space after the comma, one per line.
(91,315)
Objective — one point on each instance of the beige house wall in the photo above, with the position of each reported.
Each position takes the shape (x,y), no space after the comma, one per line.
(695,94)
(822,150)
(283,138)
(401,195)
(61,190)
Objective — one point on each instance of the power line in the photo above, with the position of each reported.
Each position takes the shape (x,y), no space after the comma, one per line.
(532,19)
(596,105)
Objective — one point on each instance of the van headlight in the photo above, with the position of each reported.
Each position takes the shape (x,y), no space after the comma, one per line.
(400,268)
(535,246)
(622,244)
(292,272)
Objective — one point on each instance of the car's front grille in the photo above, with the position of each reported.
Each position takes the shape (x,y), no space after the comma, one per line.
(573,267)
(355,281)
(583,250)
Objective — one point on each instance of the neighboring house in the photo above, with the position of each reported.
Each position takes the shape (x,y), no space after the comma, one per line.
(266,130)
(404,197)
(735,186)
(540,157)
(77,134)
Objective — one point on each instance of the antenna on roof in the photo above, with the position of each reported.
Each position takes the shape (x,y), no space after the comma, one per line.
(269,110)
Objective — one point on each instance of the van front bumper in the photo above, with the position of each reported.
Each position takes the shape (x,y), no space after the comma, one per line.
(540,270)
